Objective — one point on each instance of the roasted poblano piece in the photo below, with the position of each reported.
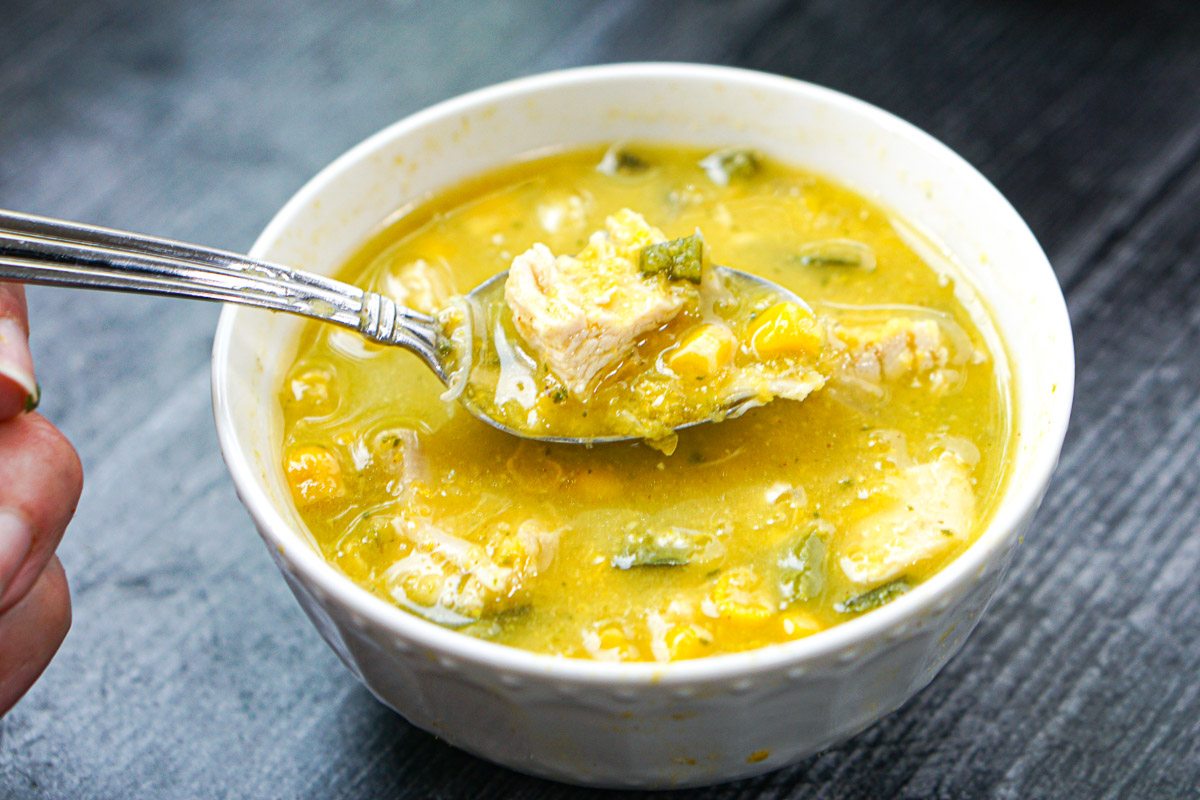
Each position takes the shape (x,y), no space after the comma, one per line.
(727,166)
(619,160)
(662,547)
(681,259)
(629,163)
(880,595)
(802,567)
(835,253)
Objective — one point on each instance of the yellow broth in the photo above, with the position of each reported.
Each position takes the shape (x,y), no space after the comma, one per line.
(630,554)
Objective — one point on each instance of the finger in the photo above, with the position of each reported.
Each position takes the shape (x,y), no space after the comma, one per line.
(40,482)
(31,633)
(18,387)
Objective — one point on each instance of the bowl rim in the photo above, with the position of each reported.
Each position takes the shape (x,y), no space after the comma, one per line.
(312,569)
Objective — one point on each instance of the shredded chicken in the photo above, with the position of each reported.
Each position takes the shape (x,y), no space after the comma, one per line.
(934,510)
(582,313)
(900,346)
(426,286)
(453,580)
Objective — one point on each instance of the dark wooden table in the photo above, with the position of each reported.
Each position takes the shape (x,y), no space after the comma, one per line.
(191,673)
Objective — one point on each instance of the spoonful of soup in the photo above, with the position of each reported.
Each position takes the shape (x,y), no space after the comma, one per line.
(634,337)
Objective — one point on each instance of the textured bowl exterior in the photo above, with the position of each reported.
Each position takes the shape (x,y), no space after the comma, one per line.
(654,735)
(649,725)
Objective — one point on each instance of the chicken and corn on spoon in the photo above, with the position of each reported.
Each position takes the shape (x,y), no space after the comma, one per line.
(636,336)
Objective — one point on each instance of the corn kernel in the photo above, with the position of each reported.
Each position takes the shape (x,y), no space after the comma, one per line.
(738,599)
(703,352)
(684,641)
(784,329)
(314,474)
(509,552)
(612,637)
(544,410)
(613,644)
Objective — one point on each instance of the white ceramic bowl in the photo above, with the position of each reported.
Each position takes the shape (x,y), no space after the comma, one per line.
(648,725)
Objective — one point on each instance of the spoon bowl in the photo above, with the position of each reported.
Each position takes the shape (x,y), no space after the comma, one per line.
(491,291)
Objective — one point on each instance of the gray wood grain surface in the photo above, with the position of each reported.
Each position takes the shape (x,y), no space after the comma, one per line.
(191,673)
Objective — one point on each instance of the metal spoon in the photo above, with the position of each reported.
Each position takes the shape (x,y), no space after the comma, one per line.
(53,252)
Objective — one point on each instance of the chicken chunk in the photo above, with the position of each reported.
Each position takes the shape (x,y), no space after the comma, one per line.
(454,581)
(564,213)
(897,347)
(423,285)
(582,313)
(934,510)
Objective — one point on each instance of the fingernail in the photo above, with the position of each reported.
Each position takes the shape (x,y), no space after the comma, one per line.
(16,363)
(15,541)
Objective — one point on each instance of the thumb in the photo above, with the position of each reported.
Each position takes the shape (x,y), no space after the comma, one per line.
(18,388)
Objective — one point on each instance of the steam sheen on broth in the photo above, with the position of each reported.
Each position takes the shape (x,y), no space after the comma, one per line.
(764,528)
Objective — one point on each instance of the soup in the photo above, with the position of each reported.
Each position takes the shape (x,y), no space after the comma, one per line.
(795,516)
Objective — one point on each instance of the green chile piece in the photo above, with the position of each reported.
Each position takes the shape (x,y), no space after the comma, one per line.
(835,253)
(681,259)
(730,166)
(879,596)
(666,547)
(802,567)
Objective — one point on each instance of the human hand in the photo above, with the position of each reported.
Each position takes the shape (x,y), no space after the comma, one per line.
(40,481)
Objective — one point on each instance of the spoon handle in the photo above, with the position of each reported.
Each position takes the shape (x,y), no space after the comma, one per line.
(57,253)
